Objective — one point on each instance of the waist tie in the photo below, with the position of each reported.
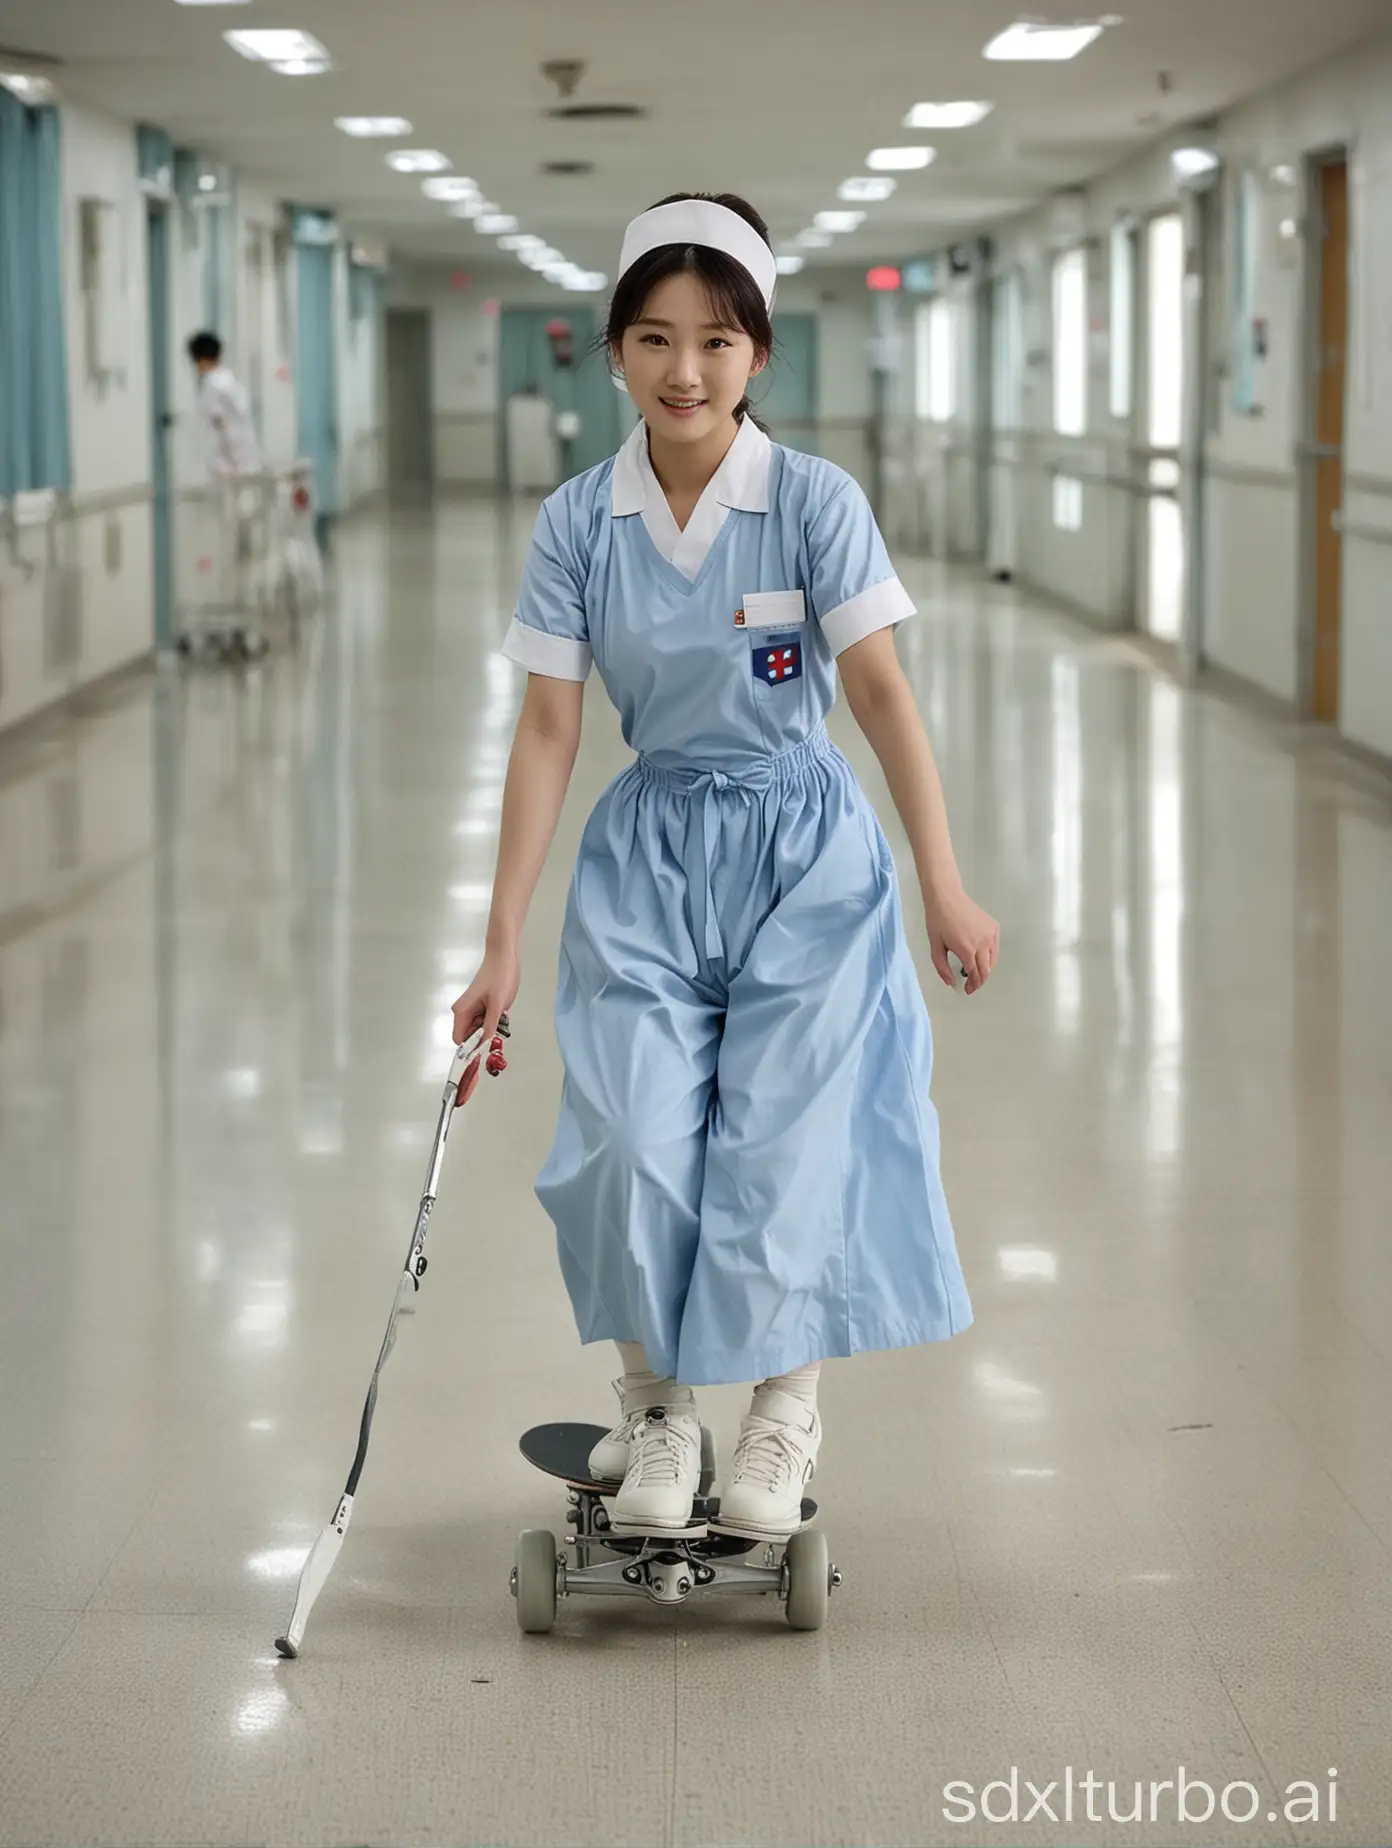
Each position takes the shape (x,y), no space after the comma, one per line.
(754,778)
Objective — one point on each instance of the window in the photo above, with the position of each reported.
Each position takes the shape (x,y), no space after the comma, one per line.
(1068,503)
(1070,343)
(934,355)
(1123,319)
(1008,354)
(34,443)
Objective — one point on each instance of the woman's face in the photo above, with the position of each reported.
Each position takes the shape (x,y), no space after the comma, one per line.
(686,371)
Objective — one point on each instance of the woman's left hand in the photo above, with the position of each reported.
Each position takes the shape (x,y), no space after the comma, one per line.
(959,927)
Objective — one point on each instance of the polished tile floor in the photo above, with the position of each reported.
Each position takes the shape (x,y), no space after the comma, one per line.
(1139,1517)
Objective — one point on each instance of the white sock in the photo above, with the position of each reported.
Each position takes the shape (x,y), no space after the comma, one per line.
(638,1376)
(800,1384)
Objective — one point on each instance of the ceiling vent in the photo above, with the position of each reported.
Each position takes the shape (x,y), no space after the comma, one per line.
(567,166)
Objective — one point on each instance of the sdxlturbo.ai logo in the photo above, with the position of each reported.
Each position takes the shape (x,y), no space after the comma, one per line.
(1179,1799)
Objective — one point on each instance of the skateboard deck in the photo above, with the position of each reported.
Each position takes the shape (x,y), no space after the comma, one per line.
(563,1451)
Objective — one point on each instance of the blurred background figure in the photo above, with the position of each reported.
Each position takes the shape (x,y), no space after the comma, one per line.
(237,470)
(230,438)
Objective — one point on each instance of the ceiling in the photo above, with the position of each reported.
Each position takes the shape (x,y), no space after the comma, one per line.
(779,100)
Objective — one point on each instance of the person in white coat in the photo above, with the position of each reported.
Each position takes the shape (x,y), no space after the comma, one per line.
(232,456)
(230,445)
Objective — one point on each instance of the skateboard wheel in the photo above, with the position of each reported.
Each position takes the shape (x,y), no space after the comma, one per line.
(807,1568)
(534,1581)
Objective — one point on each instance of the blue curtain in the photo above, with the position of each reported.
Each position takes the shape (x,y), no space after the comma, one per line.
(316,368)
(34,439)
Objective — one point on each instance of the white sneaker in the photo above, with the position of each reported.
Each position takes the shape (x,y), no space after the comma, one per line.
(609,1458)
(774,1461)
(664,1472)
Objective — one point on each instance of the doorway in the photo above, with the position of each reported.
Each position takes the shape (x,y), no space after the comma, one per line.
(550,355)
(1161,600)
(1324,477)
(161,423)
(410,405)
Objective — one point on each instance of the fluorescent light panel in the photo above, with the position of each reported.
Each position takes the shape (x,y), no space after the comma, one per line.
(301,67)
(276,47)
(365,128)
(418,160)
(32,90)
(839,221)
(867,188)
(789,266)
(947,115)
(814,240)
(1028,41)
(900,160)
(455,186)
(492,223)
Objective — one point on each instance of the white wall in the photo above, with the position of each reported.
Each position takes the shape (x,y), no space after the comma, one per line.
(79,604)
(1253,505)
(264,350)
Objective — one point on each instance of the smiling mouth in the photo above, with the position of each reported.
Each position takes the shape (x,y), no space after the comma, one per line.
(683,404)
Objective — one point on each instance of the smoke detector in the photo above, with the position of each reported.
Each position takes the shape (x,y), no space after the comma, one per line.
(565,73)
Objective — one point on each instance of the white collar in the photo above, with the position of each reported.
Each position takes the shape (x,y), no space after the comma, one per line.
(740,481)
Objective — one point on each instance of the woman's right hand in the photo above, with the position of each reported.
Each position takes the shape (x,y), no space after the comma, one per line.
(487,998)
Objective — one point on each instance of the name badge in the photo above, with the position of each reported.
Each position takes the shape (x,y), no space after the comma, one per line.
(772,609)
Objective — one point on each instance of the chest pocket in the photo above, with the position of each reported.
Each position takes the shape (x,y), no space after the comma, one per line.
(776,660)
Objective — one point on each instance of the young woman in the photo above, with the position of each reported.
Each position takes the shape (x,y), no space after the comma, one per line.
(744,1178)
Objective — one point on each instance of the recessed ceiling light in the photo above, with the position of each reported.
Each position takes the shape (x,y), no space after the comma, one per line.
(789,266)
(1189,163)
(839,221)
(522,240)
(368,128)
(866,188)
(492,223)
(418,160)
(456,186)
(1030,40)
(276,47)
(947,115)
(814,240)
(467,208)
(301,67)
(900,160)
(32,90)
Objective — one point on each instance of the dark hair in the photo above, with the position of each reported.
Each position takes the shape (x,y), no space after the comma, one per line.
(205,346)
(733,292)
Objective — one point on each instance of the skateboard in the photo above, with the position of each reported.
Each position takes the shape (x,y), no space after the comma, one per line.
(665,1567)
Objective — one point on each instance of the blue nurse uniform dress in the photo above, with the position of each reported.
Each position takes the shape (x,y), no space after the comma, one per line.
(744,1176)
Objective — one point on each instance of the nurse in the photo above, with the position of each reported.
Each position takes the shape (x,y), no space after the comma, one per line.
(744,1177)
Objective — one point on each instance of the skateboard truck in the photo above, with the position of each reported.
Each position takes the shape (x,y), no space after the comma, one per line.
(665,1568)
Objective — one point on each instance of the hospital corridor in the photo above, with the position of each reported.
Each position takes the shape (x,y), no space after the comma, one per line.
(1017,382)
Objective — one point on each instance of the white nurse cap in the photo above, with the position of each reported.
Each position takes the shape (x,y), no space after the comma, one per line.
(714,227)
